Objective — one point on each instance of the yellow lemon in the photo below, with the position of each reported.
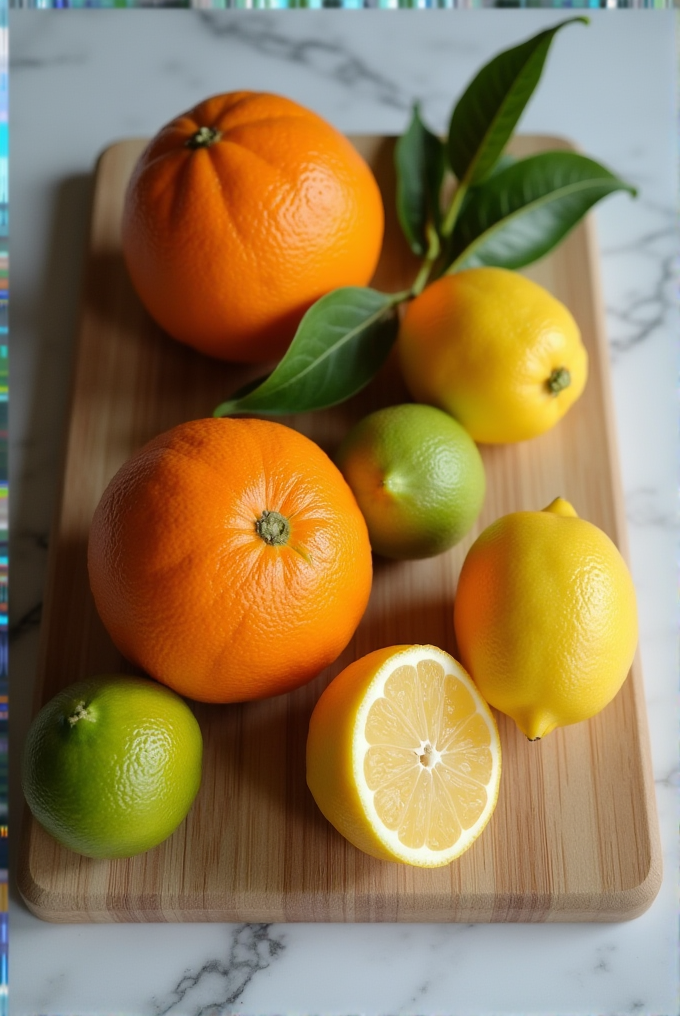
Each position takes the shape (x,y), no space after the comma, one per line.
(545,617)
(496,351)
(403,756)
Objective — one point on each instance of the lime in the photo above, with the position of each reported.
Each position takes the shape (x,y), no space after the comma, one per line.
(417,476)
(112,765)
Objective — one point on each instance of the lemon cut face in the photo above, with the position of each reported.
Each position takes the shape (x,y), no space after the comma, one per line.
(416,779)
(429,755)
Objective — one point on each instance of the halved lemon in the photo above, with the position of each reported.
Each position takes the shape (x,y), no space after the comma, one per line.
(403,756)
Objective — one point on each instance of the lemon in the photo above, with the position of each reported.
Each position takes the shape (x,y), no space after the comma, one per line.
(417,476)
(112,765)
(403,756)
(495,350)
(545,617)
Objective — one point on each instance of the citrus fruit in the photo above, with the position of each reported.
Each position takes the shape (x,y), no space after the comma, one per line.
(417,476)
(403,756)
(229,559)
(239,214)
(545,617)
(495,350)
(112,765)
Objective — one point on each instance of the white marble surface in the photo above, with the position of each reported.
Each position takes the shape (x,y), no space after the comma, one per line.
(82,79)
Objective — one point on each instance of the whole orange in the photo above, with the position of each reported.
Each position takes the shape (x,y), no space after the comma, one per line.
(229,560)
(239,215)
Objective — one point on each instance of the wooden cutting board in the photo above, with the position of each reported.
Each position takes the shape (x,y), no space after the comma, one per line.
(574,836)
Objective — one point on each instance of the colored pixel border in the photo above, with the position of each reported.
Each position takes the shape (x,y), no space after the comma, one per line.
(4,285)
(4,391)
(344,4)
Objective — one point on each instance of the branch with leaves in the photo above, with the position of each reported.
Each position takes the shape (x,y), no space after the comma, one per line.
(501,212)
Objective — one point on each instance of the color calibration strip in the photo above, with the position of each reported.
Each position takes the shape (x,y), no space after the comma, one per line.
(344,4)
(4,391)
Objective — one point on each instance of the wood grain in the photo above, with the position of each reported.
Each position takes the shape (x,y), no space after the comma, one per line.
(574,836)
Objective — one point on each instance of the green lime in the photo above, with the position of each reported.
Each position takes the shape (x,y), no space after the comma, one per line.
(112,765)
(417,476)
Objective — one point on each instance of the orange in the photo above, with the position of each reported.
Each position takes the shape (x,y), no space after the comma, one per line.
(229,559)
(403,756)
(112,765)
(239,215)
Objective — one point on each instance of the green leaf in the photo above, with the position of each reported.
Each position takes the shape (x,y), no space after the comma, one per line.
(503,163)
(489,109)
(419,162)
(522,212)
(340,343)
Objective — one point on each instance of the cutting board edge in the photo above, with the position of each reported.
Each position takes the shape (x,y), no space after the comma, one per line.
(625,905)
(473,908)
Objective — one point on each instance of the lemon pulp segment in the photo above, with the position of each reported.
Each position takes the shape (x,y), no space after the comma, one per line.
(429,757)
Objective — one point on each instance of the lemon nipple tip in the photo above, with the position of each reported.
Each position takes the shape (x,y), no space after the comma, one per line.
(561,507)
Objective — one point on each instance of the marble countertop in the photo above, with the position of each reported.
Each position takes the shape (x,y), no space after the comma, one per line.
(81,79)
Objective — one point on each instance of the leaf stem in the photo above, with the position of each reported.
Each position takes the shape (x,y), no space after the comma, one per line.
(454,208)
(433,251)
(434,248)
(397,298)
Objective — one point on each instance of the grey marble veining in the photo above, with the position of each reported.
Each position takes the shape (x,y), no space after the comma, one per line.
(646,306)
(80,80)
(328,58)
(220,983)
